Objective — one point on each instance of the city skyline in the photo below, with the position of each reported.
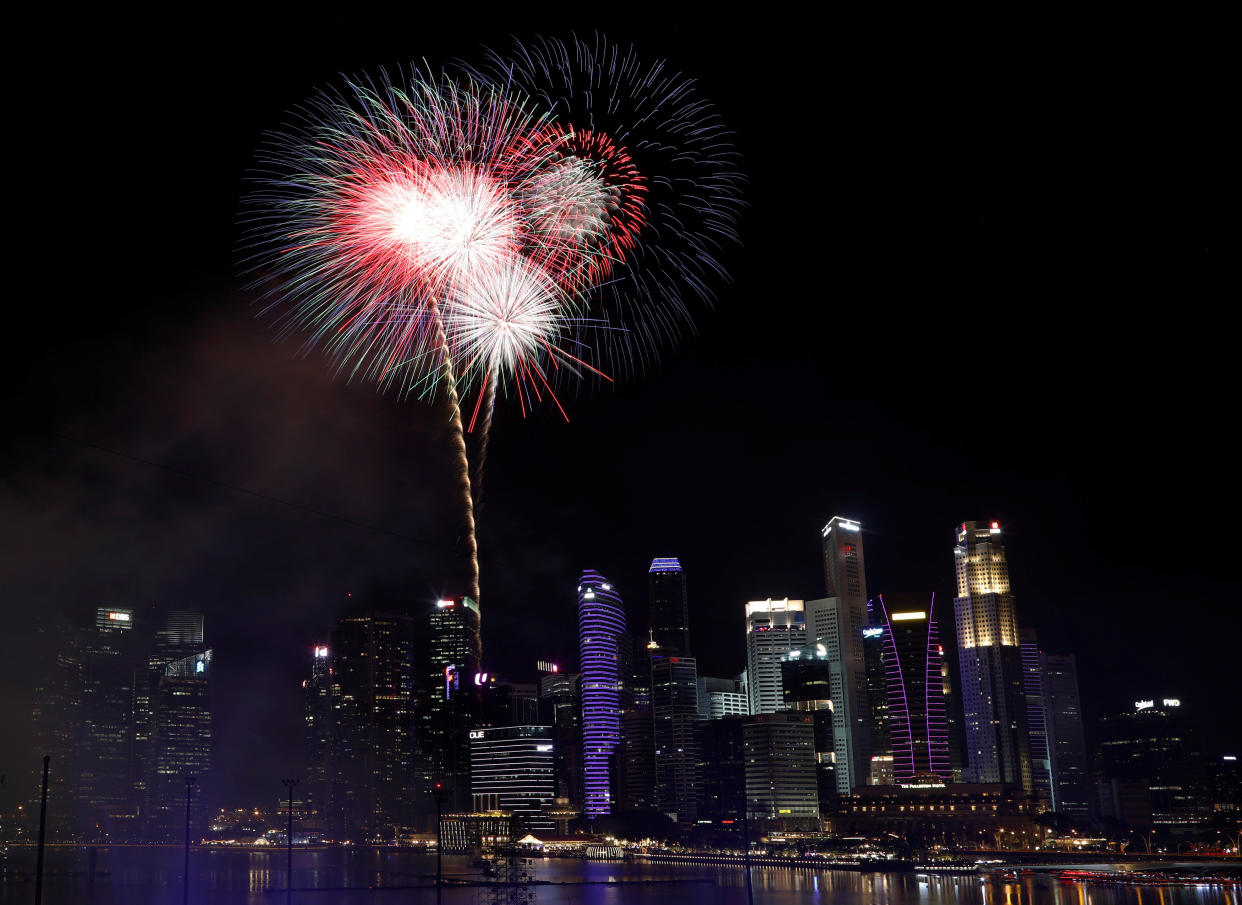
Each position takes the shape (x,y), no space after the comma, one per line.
(160,360)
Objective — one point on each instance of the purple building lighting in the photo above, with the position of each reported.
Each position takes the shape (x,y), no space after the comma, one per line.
(916,710)
(601,621)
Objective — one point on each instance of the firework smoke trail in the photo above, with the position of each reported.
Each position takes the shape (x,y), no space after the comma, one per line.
(487,402)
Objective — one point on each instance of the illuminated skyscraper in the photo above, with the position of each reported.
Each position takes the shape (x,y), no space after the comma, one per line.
(877,681)
(916,710)
(601,623)
(806,677)
(182,741)
(320,699)
(670,617)
(773,629)
(837,622)
(180,635)
(512,770)
(990,660)
(448,701)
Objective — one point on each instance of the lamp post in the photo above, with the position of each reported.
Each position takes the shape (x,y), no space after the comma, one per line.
(47,759)
(439,840)
(750,889)
(185,871)
(289,784)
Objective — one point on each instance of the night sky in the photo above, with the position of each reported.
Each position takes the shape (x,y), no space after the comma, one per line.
(984,276)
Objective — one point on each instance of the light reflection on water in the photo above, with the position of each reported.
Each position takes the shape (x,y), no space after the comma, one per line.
(145,875)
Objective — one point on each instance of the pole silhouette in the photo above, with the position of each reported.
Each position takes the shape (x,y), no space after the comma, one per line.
(289,784)
(185,871)
(47,759)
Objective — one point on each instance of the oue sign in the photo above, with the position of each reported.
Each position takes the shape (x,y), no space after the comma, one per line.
(476,733)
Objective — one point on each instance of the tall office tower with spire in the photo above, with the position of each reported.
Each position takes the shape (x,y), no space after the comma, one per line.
(601,625)
(670,615)
(916,707)
(773,629)
(837,622)
(990,660)
(1068,748)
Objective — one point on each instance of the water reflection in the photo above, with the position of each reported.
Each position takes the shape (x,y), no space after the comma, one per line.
(151,875)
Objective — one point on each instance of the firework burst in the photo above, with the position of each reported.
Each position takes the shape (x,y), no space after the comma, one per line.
(461,235)
(672,177)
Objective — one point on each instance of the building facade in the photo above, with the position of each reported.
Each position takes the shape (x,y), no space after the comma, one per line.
(1071,775)
(773,629)
(837,622)
(372,663)
(512,769)
(674,710)
(806,677)
(669,614)
(721,697)
(916,711)
(993,689)
(781,788)
(601,625)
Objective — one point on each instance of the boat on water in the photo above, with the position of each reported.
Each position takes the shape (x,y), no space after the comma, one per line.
(1147,878)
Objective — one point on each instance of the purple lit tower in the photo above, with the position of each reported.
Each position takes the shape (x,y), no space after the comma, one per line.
(601,621)
(916,711)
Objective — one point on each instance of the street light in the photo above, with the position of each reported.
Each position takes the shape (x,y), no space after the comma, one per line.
(439,840)
(289,784)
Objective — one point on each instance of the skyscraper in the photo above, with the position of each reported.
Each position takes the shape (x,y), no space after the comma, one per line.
(877,681)
(722,770)
(1071,777)
(447,699)
(773,629)
(670,617)
(180,635)
(320,698)
(912,665)
(806,677)
(837,621)
(1036,725)
(106,767)
(561,707)
(601,623)
(182,741)
(674,710)
(990,660)
(372,662)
